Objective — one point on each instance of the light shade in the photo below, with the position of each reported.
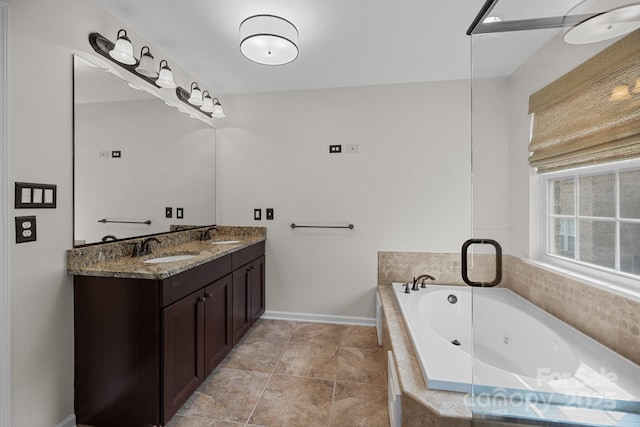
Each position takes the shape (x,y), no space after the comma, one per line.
(146,66)
(165,78)
(207,102)
(196,95)
(218,112)
(268,40)
(123,50)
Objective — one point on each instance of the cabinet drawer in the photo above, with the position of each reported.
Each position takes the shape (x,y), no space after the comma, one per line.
(181,285)
(246,255)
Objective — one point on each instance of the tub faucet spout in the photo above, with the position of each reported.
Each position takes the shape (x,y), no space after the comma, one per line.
(421,279)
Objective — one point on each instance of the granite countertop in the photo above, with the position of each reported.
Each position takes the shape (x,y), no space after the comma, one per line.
(80,262)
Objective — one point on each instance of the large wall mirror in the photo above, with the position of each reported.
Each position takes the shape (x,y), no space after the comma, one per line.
(166,160)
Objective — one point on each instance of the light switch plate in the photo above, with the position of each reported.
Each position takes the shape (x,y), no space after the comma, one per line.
(269,213)
(25,229)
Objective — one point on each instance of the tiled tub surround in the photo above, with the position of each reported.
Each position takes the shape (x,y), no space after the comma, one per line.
(115,260)
(608,318)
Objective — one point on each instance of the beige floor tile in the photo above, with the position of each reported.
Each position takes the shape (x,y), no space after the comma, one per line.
(318,333)
(293,401)
(227,395)
(361,365)
(304,359)
(356,404)
(359,336)
(189,421)
(271,330)
(255,355)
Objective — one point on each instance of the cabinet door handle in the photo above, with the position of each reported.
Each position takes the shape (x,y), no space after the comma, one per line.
(207,296)
(202,299)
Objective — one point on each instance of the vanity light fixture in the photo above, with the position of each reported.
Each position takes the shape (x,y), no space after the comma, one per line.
(218,112)
(165,77)
(123,50)
(195,98)
(207,102)
(268,40)
(146,66)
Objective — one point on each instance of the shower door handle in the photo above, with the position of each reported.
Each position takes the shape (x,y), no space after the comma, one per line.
(465,249)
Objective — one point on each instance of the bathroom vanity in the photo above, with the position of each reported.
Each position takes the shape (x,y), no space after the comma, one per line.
(147,335)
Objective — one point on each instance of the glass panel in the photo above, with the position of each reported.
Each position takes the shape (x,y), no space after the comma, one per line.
(597,196)
(598,242)
(564,191)
(630,248)
(630,194)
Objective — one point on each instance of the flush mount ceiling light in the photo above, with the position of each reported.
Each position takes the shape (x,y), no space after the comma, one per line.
(608,25)
(123,50)
(268,40)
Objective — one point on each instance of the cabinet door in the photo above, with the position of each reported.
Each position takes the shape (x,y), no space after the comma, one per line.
(183,352)
(257,289)
(241,303)
(218,339)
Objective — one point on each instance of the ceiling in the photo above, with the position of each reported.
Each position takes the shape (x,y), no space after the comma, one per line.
(342,42)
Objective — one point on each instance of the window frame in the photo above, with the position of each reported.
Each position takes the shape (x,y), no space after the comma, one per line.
(611,278)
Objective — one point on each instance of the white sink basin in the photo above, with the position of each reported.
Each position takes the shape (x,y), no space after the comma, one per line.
(225,242)
(170,258)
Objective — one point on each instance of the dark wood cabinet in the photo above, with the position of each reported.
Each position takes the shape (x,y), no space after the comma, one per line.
(218,340)
(183,330)
(257,289)
(143,346)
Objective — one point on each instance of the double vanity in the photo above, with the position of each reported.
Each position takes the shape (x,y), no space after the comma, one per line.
(149,329)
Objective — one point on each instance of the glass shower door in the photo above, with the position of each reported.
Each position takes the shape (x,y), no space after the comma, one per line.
(534,316)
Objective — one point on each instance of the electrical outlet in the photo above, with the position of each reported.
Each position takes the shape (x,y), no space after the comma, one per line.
(179,213)
(269,213)
(25,229)
(168,212)
(257,214)
(116,154)
(335,149)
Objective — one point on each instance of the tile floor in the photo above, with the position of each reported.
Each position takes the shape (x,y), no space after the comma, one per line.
(286,373)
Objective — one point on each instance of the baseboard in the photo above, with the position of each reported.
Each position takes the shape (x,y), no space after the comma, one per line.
(319,318)
(70,421)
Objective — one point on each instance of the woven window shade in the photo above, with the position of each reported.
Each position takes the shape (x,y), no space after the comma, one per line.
(575,122)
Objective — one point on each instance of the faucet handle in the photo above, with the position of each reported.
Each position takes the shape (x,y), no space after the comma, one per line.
(406,288)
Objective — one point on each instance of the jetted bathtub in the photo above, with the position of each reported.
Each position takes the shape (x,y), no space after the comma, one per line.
(518,349)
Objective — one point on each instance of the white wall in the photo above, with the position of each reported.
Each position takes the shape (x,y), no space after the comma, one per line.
(408,188)
(42,37)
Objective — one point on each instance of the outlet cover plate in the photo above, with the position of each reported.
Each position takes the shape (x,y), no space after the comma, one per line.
(25,229)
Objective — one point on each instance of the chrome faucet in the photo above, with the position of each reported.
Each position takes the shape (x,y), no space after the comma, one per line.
(422,278)
(145,246)
(206,235)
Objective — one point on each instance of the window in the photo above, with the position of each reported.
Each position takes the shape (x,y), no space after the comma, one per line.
(592,220)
